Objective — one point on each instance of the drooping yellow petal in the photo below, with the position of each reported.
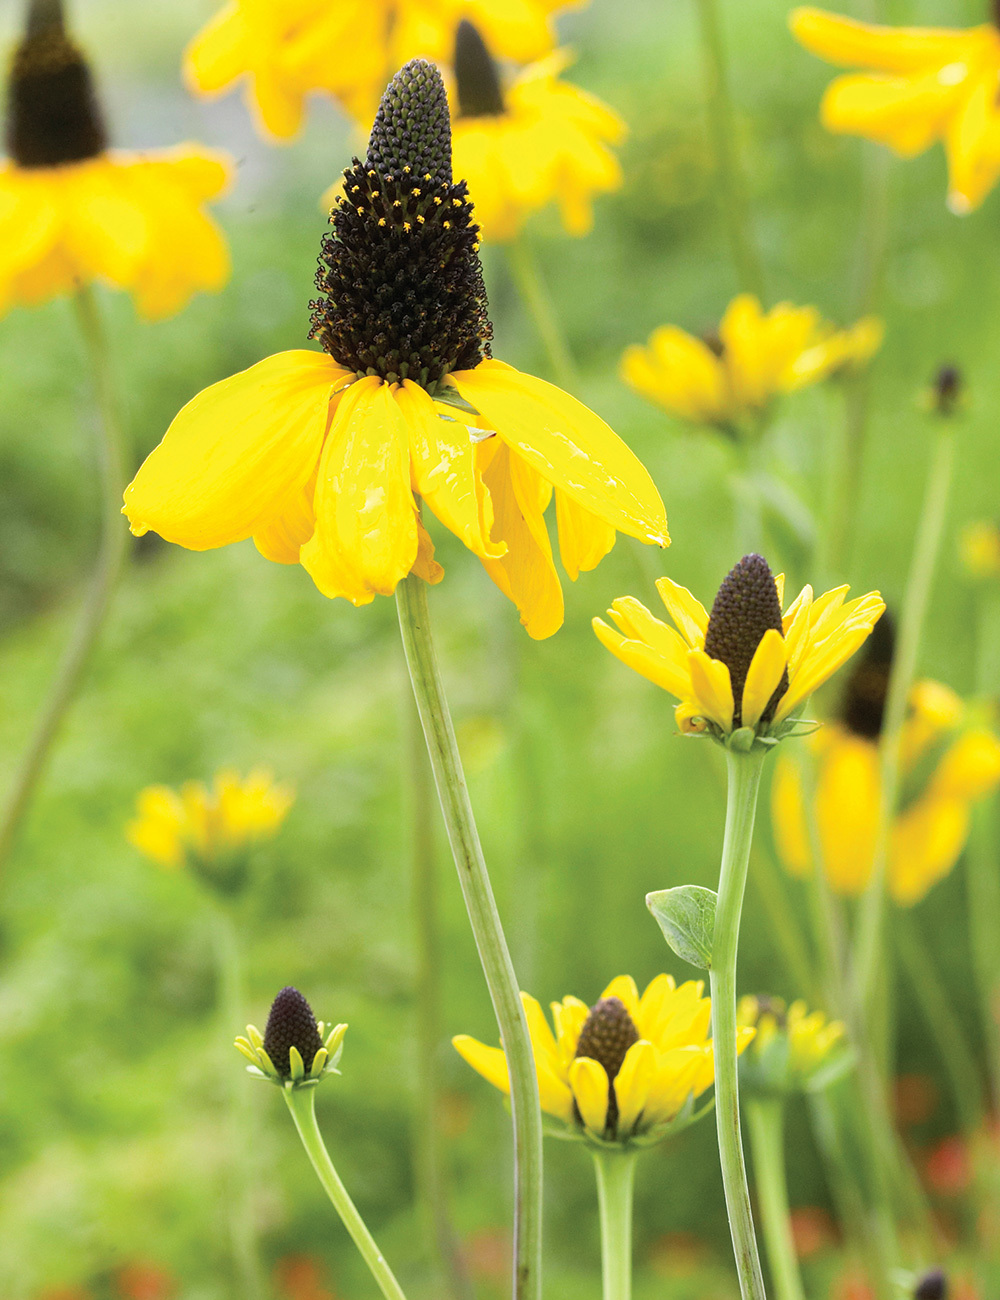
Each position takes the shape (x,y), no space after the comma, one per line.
(763,676)
(589,1081)
(584,539)
(865,45)
(847,810)
(926,841)
(567,444)
(281,537)
(711,688)
(236,453)
(972,141)
(633,1083)
(906,113)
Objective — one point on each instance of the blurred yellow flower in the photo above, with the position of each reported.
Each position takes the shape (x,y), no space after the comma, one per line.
(791,1044)
(536,141)
(72,212)
(948,759)
(321,457)
(348,49)
(756,356)
(622,1070)
(924,84)
(980,549)
(201,826)
(746,665)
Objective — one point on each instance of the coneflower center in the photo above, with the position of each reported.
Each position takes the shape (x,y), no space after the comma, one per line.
(53,117)
(746,606)
(477,78)
(402,293)
(863,707)
(607,1034)
(291,1023)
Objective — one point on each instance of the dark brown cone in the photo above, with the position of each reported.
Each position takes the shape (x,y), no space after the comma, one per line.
(291,1023)
(745,607)
(477,78)
(607,1034)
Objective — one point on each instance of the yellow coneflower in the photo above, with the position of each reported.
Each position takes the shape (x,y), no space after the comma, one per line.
(922,84)
(202,826)
(744,667)
(322,457)
(284,52)
(949,762)
(295,1050)
(625,1069)
(792,1045)
(980,549)
(537,140)
(755,356)
(73,212)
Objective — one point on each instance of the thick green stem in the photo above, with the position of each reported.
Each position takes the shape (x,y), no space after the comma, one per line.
(429,1160)
(111,553)
(744,771)
(732,188)
(302,1104)
(930,530)
(411,601)
(535,296)
(615,1182)
(766,1122)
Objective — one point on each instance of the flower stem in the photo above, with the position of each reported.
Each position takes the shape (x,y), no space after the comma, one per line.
(536,298)
(766,1122)
(744,771)
(111,553)
(411,602)
(302,1104)
(615,1183)
(869,952)
(429,1161)
(732,188)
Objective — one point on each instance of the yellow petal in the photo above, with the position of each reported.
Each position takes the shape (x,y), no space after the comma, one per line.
(972,141)
(763,676)
(633,1083)
(925,844)
(589,1081)
(865,45)
(635,620)
(677,1073)
(686,610)
(679,373)
(969,769)
(906,113)
(568,1017)
(711,688)
(568,445)
(788,818)
(281,537)
(643,660)
(236,453)
(623,988)
(543,1041)
(217,55)
(584,540)
(847,810)
(490,1062)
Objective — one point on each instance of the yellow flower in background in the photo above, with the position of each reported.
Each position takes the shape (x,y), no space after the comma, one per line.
(537,140)
(745,665)
(623,1070)
(73,212)
(348,49)
(923,84)
(980,549)
(756,356)
(949,761)
(322,457)
(201,826)
(791,1047)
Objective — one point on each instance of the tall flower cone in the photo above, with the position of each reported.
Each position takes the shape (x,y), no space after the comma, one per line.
(323,457)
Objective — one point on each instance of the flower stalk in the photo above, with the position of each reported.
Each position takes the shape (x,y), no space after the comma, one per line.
(744,772)
(110,556)
(446,764)
(766,1125)
(301,1102)
(615,1185)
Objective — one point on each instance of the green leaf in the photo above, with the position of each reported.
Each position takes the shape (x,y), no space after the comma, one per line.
(686,915)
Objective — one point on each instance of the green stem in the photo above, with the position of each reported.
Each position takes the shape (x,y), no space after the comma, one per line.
(615,1183)
(429,1161)
(732,188)
(744,771)
(110,556)
(302,1104)
(766,1123)
(411,602)
(957,1058)
(536,298)
(930,530)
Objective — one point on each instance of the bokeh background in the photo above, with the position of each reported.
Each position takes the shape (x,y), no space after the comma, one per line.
(115,1069)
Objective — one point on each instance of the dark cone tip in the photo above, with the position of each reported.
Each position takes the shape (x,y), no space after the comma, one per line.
(413,127)
(53,116)
(863,706)
(477,78)
(291,1023)
(745,607)
(932,1286)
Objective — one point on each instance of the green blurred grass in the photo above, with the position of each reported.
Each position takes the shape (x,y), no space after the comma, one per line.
(115,1067)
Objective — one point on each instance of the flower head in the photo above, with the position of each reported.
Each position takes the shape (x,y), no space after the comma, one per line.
(210,830)
(323,457)
(980,549)
(733,376)
(284,52)
(73,212)
(794,1050)
(921,84)
(949,758)
(626,1070)
(536,140)
(742,671)
(295,1050)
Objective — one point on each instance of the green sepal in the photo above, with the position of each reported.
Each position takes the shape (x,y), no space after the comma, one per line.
(742,739)
(686,915)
